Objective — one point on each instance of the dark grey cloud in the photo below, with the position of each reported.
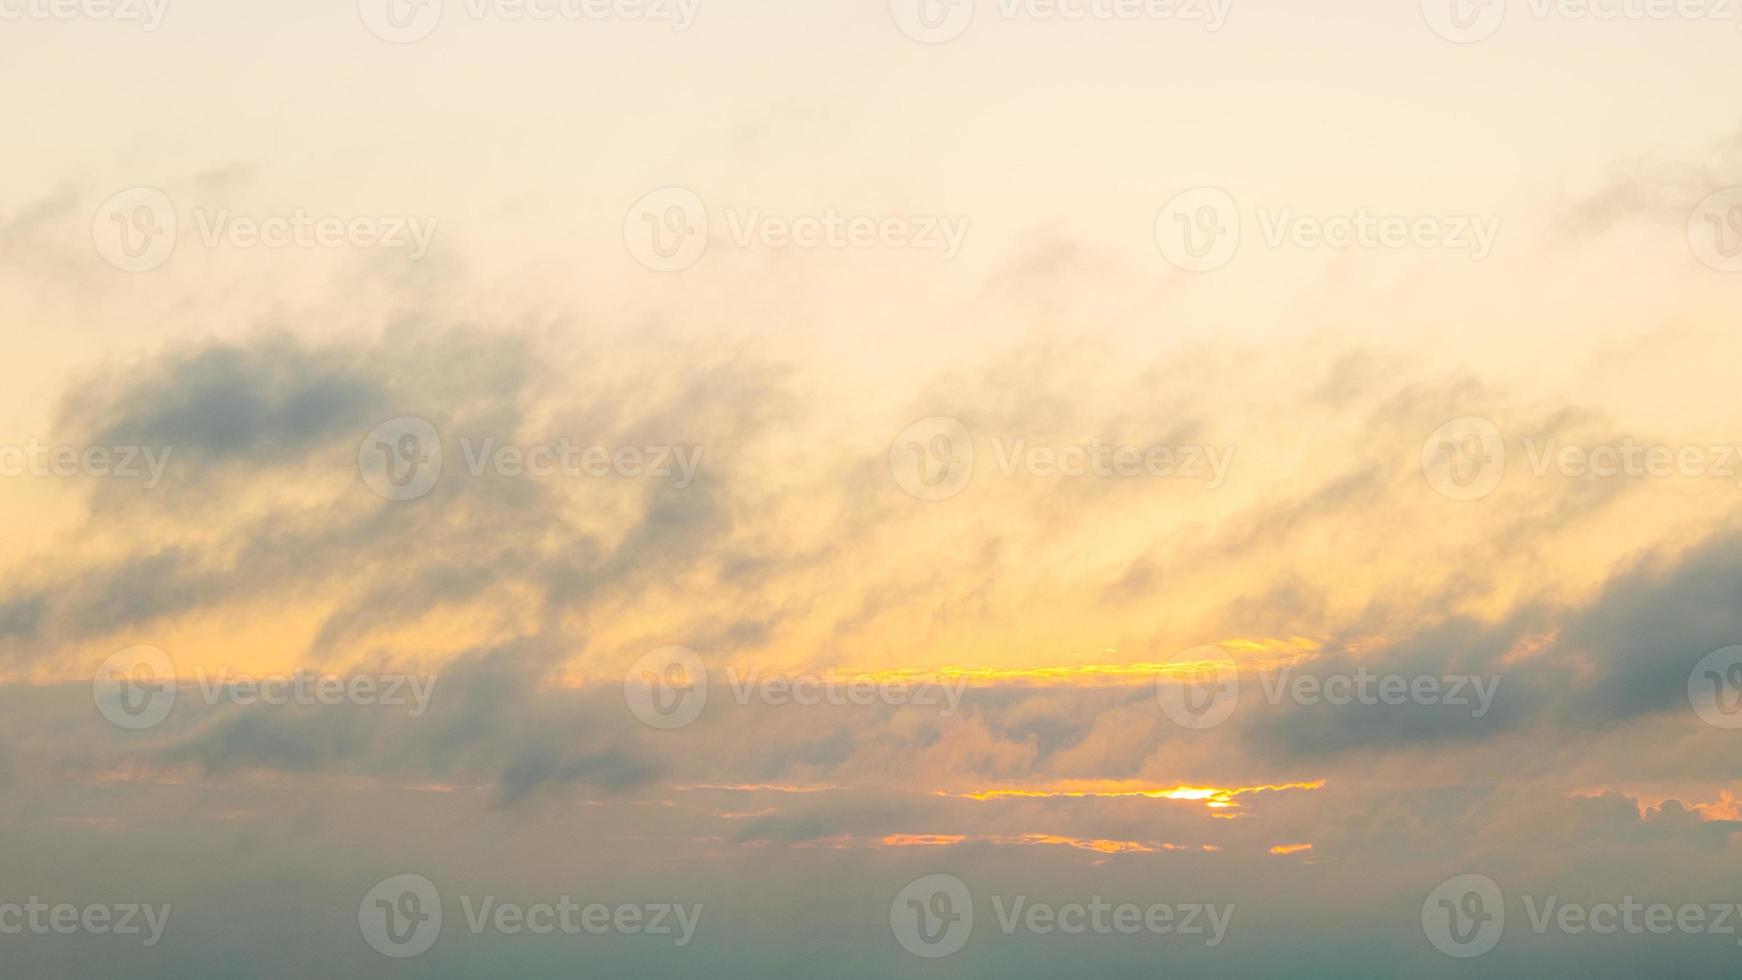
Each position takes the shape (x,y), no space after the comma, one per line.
(1625,654)
(252,418)
(271,398)
(1651,624)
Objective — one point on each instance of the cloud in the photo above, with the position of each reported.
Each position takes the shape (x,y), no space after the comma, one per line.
(1655,189)
(270,399)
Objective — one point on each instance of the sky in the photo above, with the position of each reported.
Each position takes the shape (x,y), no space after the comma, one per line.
(881,488)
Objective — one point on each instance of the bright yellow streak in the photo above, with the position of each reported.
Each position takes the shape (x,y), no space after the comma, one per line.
(1098,845)
(1245,654)
(1214,797)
